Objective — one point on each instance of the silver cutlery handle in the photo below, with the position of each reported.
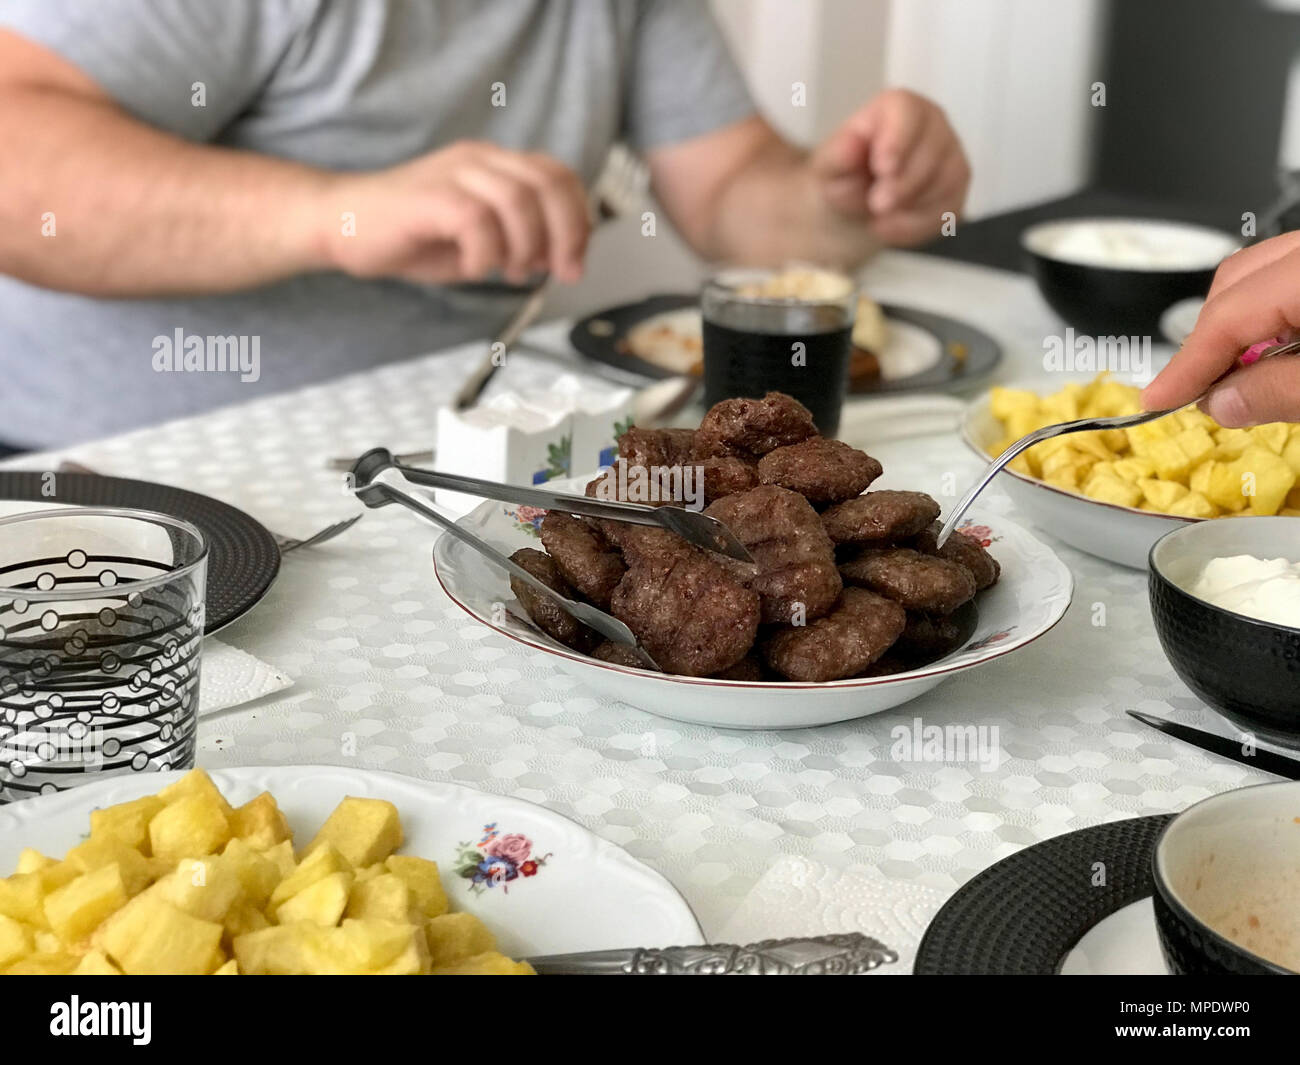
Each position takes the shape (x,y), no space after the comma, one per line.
(847,954)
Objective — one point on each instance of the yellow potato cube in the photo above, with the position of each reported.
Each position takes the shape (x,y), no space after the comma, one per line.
(424,881)
(1191,418)
(1197,445)
(46,964)
(258,874)
(1291,453)
(96,963)
(22,897)
(489,963)
(16,941)
(1091,444)
(303,948)
(107,850)
(205,888)
(1266,479)
(1133,470)
(151,937)
(1061,407)
(322,862)
(1193,505)
(1273,436)
(384,898)
(127,822)
(369,872)
(322,902)
(260,822)
(1116,440)
(365,831)
(195,782)
(1067,478)
(1022,466)
(1108,488)
(1225,488)
(230,968)
(453,936)
(243,918)
(77,909)
(1062,459)
(1199,479)
(1230,443)
(388,948)
(1006,402)
(1161,494)
(190,826)
(1170,460)
(281,856)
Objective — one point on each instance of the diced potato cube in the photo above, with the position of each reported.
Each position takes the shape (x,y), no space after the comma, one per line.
(1062,459)
(1197,445)
(388,948)
(1273,436)
(243,918)
(16,941)
(1134,470)
(1230,443)
(260,822)
(1091,444)
(1021,465)
(1193,505)
(489,963)
(1161,494)
(384,898)
(1191,418)
(107,850)
(258,874)
(127,822)
(281,856)
(1270,477)
(320,863)
(1006,402)
(1108,488)
(322,902)
(205,888)
(96,963)
(1199,479)
(195,782)
(304,948)
(453,936)
(231,968)
(47,964)
(151,937)
(1225,488)
(369,872)
(1170,460)
(191,826)
(22,897)
(1067,478)
(424,881)
(76,909)
(365,831)
(1291,453)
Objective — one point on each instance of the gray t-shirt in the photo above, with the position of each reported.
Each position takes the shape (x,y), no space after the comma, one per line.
(341,84)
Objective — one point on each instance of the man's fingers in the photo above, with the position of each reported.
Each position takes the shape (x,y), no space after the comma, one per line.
(1264,303)
(563,203)
(1268,391)
(902,119)
(1248,260)
(920,169)
(518,213)
(474,227)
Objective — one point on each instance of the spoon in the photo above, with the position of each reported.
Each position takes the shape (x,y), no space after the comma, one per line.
(1082,425)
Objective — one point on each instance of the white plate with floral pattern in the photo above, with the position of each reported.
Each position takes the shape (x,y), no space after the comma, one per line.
(542,883)
(1029,599)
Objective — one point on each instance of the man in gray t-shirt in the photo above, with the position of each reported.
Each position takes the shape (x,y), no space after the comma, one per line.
(299,188)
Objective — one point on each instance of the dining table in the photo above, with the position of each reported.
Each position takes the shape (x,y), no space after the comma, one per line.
(388,673)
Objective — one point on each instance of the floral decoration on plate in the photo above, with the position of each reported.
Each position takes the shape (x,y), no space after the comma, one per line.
(497,858)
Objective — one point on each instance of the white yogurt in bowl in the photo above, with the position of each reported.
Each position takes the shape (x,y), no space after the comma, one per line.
(1264,589)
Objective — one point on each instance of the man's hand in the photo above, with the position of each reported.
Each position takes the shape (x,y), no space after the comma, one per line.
(1255,297)
(898,165)
(458,214)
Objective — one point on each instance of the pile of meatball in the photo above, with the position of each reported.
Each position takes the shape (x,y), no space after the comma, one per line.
(845,582)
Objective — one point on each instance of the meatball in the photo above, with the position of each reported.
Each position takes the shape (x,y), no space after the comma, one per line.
(582,554)
(796,576)
(753,427)
(920,582)
(822,471)
(656,447)
(880,517)
(549,617)
(962,549)
(619,654)
(748,668)
(930,637)
(861,628)
(725,475)
(688,613)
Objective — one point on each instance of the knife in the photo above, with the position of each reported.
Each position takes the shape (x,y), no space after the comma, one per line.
(1268,761)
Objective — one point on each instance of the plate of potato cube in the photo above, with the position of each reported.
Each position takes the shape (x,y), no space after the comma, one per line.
(311,870)
(1114,493)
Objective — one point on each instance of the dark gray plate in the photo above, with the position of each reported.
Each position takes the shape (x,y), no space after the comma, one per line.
(1023,915)
(602,338)
(243,558)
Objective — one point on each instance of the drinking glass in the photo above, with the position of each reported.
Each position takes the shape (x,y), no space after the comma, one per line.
(101,624)
(759,344)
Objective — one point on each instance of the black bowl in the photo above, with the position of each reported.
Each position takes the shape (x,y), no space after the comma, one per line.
(1121,301)
(1218,864)
(1248,670)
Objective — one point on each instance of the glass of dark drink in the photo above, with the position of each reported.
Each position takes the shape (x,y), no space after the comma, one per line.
(780,331)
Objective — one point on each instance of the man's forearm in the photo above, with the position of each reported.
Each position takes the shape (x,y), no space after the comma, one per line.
(93,201)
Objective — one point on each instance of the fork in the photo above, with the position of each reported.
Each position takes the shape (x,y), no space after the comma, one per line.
(284,543)
(1082,425)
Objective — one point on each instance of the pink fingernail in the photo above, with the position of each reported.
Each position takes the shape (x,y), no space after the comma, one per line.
(1252,353)
(1227,406)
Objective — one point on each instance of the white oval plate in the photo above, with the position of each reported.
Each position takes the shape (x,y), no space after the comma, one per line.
(1107,530)
(1032,596)
(588,894)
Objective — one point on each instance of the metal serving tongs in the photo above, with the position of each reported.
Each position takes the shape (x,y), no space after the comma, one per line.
(703,531)
(1082,425)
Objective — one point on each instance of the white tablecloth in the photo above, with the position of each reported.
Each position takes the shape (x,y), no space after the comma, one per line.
(388,673)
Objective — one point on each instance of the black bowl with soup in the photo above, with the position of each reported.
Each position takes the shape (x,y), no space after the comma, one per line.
(1227,875)
(1117,276)
(1225,597)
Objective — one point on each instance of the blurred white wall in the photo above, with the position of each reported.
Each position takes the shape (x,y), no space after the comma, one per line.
(1015,77)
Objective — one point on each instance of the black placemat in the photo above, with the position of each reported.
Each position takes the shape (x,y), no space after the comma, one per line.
(243,557)
(967,356)
(1023,915)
